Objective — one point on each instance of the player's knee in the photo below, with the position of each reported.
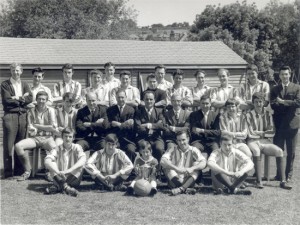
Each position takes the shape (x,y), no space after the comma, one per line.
(19,148)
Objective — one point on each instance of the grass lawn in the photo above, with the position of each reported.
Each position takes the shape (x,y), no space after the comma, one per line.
(25,203)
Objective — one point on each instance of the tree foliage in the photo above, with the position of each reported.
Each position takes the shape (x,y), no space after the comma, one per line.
(70,19)
(267,37)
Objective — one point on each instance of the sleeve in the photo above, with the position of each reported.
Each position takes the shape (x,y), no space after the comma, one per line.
(78,90)
(90,165)
(169,153)
(7,97)
(136,95)
(79,151)
(113,100)
(127,164)
(251,133)
(56,90)
(213,156)
(160,122)
(28,99)
(242,158)
(50,98)
(197,156)
(52,155)
(296,100)
(188,95)
(138,122)
(53,118)
(215,131)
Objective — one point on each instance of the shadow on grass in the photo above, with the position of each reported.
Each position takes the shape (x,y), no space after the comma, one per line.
(38,187)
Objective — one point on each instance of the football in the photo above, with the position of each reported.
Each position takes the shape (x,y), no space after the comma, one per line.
(142,187)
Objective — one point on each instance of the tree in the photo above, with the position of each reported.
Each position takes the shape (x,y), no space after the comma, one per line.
(70,19)
(267,38)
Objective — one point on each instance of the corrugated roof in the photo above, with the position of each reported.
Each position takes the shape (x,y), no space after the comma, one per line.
(121,52)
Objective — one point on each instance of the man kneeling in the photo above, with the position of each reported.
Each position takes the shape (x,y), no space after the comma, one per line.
(229,167)
(182,165)
(110,166)
(66,165)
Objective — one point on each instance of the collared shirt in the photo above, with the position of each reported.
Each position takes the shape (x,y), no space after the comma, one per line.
(183,91)
(176,113)
(35,90)
(66,158)
(132,93)
(232,162)
(223,94)
(17,87)
(121,108)
(61,88)
(101,93)
(149,111)
(198,93)
(47,117)
(164,85)
(260,122)
(101,162)
(235,125)
(66,119)
(247,90)
(145,168)
(205,114)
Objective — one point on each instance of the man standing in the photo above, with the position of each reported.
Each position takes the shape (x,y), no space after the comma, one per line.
(15,97)
(285,101)
(160,72)
(91,124)
(159,95)
(110,82)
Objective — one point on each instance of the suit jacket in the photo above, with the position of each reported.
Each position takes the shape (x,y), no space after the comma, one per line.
(13,105)
(211,131)
(84,115)
(156,119)
(285,116)
(126,130)
(182,123)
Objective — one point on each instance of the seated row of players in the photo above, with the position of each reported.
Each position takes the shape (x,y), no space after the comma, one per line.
(149,123)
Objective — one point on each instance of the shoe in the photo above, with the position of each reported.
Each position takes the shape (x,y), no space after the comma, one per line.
(120,187)
(24,176)
(70,191)
(153,191)
(190,191)
(130,191)
(176,191)
(219,191)
(259,185)
(53,189)
(246,184)
(238,191)
(284,185)
(48,177)
(276,178)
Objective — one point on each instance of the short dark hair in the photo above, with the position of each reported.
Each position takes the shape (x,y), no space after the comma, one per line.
(40,93)
(148,92)
(231,101)
(125,72)
(151,76)
(186,132)
(142,144)
(286,68)
(109,64)
(178,72)
(199,72)
(67,66)
(258,95)
(111,138)
(252,67)
(204,97)
(226,137)
(225,70)
(161,66)
(68,130)
(37,70)
(69,95)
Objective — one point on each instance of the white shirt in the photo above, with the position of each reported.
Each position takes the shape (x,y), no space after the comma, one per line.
(17,87)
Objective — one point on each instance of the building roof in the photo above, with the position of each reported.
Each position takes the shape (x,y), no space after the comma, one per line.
(34,51)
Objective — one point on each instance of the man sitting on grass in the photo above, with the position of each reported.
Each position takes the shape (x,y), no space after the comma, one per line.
(182,165)
(65,165)
(110,167)
(229,167)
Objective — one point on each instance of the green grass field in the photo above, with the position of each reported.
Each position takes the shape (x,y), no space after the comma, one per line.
(25,203)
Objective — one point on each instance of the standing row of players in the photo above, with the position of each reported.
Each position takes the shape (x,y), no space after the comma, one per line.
(153,124)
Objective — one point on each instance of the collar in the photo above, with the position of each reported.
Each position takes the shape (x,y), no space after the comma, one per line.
(13,81)
(285,85)
(149,160)
(71,111)
(129,87)
(228,86)
(65,149)
(205,114)
(150,111)
(70,83)
(46,108)
(177,110)
(189,148)
(38,87)
(257,82)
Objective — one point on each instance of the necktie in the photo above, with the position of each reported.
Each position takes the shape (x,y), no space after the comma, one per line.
(121,109)
(177,115)
(284,90)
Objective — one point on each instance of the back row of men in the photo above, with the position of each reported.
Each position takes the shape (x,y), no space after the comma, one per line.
(162,112)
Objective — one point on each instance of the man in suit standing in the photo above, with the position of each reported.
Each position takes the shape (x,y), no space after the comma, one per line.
(285,100)
(15,97)
(176,119)
(149,124)
(120,122)
(91,120)
(205,128)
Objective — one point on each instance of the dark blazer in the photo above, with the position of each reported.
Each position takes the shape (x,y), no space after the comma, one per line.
(84,115)
(211,132)
(13,105)
(126,130)
(285,116)
(182,123)
(159,94)
(156,119)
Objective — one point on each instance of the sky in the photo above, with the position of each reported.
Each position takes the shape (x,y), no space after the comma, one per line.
(170,11)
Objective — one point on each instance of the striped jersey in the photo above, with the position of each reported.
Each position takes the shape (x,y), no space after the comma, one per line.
(235,125)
